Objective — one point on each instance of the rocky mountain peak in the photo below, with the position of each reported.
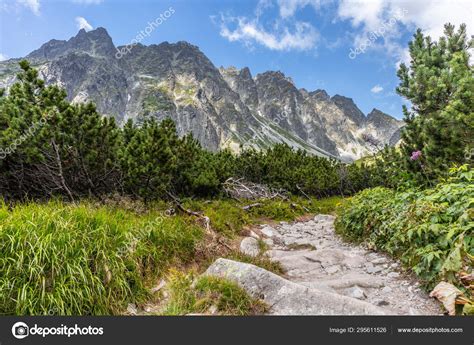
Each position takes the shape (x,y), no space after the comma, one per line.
(95,42)
(379,116)
(349,108)
(320,95)
(384,127)
(224,107)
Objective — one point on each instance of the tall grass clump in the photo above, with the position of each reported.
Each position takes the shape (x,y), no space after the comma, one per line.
(199,295)
(63,259)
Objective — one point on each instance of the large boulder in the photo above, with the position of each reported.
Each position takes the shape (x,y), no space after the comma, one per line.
(285,297)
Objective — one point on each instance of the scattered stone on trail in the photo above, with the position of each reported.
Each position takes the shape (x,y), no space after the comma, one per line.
(447,293)
(268,242)
(393,275)
(268,231)
(254,235)
(312,255)
(357,292)
(379,261)
(332,269)
(249,246)
(132,309)
(374,269)
(285,297)
(324,275)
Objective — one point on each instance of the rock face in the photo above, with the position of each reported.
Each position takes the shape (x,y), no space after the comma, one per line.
(223,107)
(285,297)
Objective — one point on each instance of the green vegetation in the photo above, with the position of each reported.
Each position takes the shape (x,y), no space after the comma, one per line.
(75,260)
(228,217)
(431,230)
(428,221)
(84,258)
(190,295)
(439,131)
(50,147)
(87,259)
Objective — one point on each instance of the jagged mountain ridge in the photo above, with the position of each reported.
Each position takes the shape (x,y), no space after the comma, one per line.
(222,107)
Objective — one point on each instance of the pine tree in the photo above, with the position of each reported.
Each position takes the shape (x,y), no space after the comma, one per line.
(51,146)
(439,83)
(148,162)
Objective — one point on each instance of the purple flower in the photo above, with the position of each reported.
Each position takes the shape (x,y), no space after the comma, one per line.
(415,155)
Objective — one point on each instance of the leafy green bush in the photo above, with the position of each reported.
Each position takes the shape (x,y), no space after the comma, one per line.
(432,231)
(83,260)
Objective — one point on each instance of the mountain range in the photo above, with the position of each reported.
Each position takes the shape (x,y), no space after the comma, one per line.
(222,107)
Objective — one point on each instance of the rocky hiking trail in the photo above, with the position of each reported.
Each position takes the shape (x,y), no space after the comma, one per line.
(324,275)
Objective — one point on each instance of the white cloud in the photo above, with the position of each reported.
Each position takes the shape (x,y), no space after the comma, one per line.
(302,36)
(83,24)
(33,5)
(289,7)
(282,34)
(376,89)
(367,16)
(3,57)
(88,2)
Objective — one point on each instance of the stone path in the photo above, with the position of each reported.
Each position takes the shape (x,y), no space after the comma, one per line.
(315,257)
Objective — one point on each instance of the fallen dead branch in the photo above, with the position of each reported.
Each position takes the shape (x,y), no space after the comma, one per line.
(200,215)
(248,207)
(241,189)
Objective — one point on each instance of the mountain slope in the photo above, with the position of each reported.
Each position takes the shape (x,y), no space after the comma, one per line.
(222,107)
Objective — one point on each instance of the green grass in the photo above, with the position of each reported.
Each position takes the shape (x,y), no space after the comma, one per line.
(228,218)
(85,260)
(191,295)
(91,259)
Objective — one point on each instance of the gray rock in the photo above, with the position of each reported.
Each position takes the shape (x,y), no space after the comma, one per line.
(158,287)
(393,274)
(213,309)
(285,297)
(268,231)
(379,261)
(249,246)
(387,289)
(357,292)
(254,235)
(373,269)
(333,269)
(132,309)
(268,242)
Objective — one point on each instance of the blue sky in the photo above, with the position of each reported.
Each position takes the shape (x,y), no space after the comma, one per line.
(308,40)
